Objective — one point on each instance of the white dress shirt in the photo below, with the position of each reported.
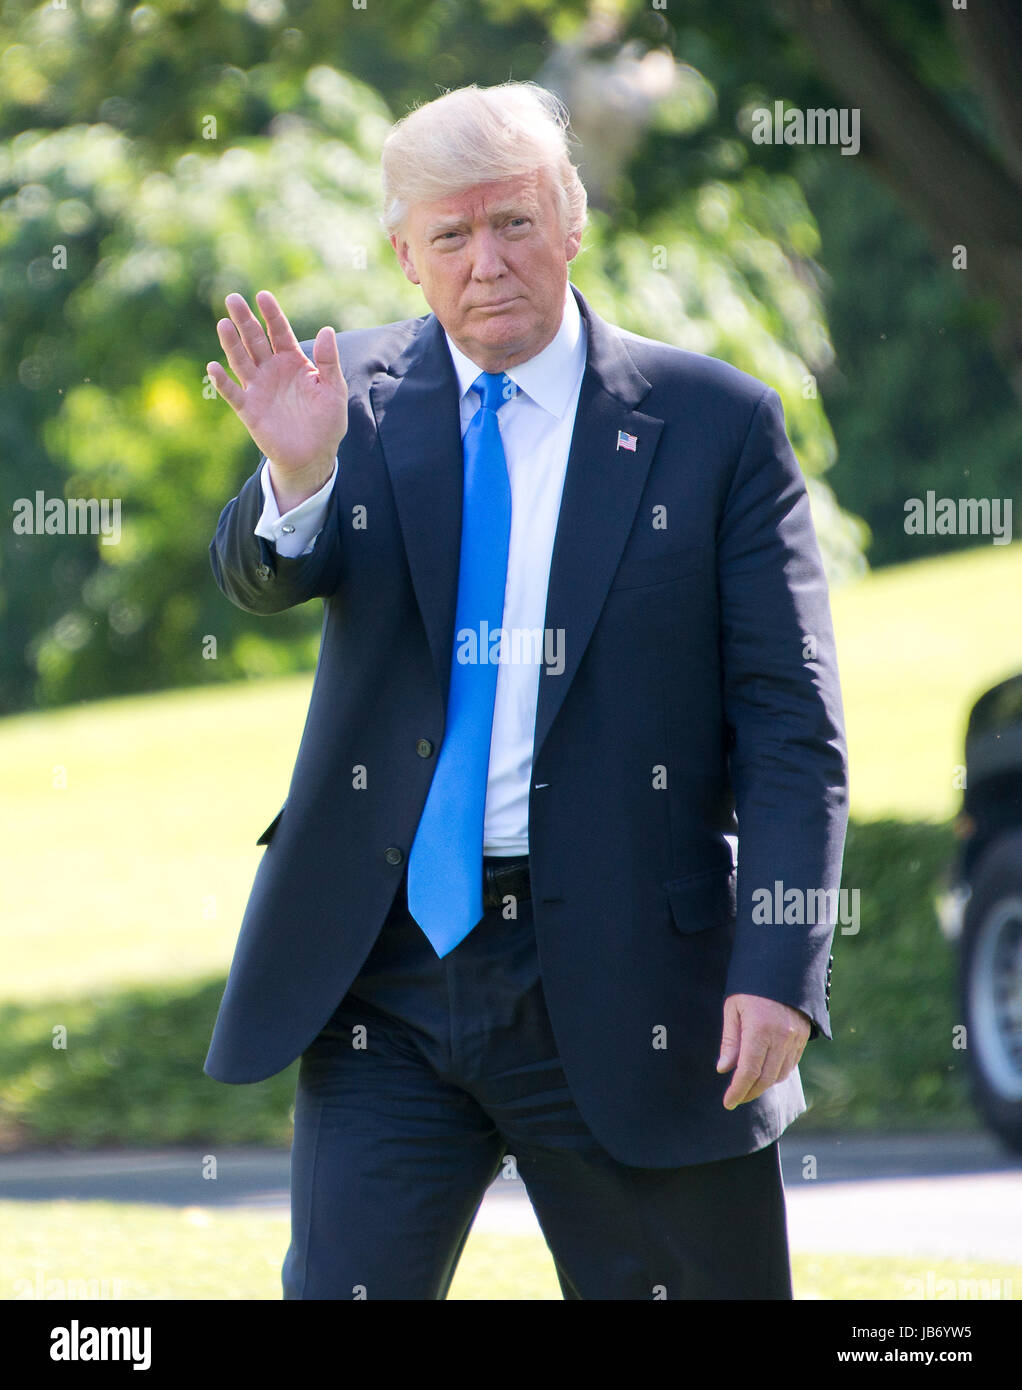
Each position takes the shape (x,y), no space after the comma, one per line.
(536,426)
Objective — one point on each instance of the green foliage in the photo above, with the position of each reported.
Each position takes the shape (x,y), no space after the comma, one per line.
(180,150)
(891,1064)
(109,354)
(718,276)
(159,71)
(916,395)
(131,1074)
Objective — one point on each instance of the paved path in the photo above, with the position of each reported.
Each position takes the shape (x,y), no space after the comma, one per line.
(955,1196)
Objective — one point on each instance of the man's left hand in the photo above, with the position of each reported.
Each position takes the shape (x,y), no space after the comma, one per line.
(765,1038)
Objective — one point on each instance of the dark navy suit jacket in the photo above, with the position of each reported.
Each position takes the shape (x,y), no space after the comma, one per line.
(687,701)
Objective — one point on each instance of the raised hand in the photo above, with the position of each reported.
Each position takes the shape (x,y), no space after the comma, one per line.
(295,410)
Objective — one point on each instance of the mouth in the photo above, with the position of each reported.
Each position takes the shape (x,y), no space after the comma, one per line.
(498,304)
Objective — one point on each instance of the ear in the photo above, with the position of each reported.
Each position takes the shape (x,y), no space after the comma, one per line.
(571,246)
(404,257)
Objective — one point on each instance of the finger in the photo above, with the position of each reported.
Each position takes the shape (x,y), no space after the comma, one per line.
(794,1057)
(251,330)
(747,1075)
(784,1070)
(741,1084)
(789,1047)
(325,356)
(730,1038)
(238,359)
(774,1067)
(226,387)
(282,335)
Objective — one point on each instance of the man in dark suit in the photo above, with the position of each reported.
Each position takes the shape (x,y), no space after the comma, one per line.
(576,633)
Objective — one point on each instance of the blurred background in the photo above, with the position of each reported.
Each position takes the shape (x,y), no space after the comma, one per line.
(154,158)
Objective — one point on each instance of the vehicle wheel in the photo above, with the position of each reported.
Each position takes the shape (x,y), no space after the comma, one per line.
(991,986)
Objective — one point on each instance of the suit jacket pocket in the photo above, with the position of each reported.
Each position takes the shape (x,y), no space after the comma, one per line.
(703,900)
(268,833)
(658,569)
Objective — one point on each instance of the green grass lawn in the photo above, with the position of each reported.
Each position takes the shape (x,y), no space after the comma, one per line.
(130,825)
(137,869)
(916,645)
(132,1251)
(129,850)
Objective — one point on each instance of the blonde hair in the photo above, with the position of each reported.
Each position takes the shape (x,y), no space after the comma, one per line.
(478,135)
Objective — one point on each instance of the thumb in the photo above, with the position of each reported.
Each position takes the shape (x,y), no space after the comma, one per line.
(324,354)
(731,1037)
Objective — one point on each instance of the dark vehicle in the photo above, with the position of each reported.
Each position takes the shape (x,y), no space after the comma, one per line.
(981,907)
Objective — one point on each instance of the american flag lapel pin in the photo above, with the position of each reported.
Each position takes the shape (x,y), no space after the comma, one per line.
(627,441)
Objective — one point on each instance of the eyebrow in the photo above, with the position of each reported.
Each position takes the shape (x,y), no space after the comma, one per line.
(517,209)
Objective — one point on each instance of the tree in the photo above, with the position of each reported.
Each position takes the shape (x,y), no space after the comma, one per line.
(961,178)
(107,342)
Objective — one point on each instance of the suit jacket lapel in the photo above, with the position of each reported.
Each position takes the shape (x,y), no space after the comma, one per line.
(418,417)
(417,413)
(601,494)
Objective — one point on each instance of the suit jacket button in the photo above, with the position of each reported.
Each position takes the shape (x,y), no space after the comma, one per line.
(393,855)
(263,572)
(424,748)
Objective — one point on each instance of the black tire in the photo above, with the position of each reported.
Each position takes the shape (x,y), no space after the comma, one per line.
(991,986)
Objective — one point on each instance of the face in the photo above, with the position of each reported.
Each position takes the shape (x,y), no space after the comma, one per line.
(493,265)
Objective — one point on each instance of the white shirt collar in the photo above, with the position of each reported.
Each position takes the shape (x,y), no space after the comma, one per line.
(550,377)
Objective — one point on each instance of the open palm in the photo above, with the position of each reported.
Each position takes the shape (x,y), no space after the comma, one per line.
(295,410)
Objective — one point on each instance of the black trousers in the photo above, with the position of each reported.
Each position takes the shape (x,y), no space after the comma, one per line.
(432,1077)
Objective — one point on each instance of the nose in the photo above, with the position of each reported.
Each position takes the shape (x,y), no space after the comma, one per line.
(487,260)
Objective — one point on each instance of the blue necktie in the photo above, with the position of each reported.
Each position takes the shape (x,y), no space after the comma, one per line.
(445,866)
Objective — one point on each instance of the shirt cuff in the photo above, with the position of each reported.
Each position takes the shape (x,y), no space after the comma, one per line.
(295,532)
